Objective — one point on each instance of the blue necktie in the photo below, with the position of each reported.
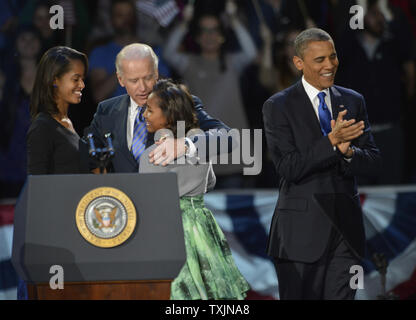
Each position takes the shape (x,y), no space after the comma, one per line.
(324,114)
(139,135)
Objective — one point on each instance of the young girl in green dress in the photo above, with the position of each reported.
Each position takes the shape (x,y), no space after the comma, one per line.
(209,271)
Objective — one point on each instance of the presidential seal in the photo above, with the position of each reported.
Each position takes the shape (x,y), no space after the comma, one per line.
(106,217)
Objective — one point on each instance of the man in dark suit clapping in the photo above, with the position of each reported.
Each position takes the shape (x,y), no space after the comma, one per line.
(317,231)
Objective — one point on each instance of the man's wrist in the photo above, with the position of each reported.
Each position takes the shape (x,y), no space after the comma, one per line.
(350,153)
(186,147)
(190,148)
(332,139)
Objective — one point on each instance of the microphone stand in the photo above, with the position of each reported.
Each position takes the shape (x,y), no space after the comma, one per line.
(380,261)
(103,155)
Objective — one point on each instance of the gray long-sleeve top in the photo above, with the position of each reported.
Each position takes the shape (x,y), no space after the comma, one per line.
(193,180)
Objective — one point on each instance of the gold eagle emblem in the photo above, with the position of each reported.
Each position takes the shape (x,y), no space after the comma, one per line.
(106,219)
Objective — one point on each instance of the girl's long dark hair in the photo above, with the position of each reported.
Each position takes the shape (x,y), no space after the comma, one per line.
(54,63)
(177,105)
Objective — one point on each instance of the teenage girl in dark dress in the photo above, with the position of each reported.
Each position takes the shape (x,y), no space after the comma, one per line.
(52,143)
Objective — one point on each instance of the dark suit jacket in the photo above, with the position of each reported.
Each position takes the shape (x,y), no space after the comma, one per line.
(318,186)
(111,116)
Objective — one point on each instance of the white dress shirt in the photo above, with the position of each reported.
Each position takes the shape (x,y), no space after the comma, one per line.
(312,93)
(133,110)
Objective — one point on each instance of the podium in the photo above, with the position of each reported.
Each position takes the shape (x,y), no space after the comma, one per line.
(47,236)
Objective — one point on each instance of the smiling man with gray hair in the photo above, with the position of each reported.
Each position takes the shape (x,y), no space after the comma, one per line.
(137,71)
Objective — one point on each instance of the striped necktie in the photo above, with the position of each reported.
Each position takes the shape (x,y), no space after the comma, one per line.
(139,135)
(324,114)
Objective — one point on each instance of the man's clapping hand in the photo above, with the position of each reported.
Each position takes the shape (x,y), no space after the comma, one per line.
(343,132)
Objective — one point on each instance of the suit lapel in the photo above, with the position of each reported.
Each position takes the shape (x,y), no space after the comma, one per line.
(121,129)
(336,102)
(306,110)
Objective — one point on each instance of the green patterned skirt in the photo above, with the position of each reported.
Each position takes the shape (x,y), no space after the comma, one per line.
(209,271)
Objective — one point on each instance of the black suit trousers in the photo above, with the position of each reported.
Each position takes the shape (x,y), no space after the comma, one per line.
(326,279)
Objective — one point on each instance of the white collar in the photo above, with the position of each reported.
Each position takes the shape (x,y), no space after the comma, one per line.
(133,104)
(311,91)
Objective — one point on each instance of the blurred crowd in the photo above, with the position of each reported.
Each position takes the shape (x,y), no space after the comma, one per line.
(232,54)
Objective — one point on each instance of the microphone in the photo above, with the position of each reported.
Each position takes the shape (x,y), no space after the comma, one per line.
(92,150)
(110,148)
(102,155)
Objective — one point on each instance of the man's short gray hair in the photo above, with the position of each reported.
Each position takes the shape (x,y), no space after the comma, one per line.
(136,51)
(313,34)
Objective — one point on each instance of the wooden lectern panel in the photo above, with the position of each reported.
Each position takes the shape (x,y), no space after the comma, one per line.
(114,290)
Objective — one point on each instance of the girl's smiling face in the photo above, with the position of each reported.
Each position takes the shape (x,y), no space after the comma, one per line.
(70,84)
(155,119)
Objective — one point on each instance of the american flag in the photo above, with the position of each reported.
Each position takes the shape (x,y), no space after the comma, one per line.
(390,222)
(164,11)
(8,277)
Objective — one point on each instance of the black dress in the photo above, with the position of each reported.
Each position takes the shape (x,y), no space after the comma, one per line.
(51,148)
